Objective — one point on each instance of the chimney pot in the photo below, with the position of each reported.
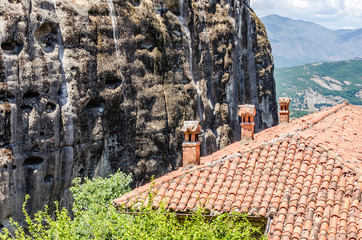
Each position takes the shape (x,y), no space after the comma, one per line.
(247,113)
(284,110)
(191,144)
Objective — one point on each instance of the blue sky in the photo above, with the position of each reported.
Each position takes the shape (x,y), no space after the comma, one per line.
(333,14)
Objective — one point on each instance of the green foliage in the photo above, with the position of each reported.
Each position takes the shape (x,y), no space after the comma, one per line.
(299,113)
(98,191)
(95,218)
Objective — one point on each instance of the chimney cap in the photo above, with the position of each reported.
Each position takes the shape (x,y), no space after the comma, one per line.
(191,127)
(284,100)
(247,109)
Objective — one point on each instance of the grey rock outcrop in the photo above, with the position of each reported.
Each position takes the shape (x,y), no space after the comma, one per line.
(89,87)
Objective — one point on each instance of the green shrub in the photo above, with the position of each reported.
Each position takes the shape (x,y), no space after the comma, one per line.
(98,191)
(95,218)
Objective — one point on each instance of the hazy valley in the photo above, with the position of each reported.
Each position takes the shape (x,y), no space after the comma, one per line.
(297,42)
(315,86)
(312,64)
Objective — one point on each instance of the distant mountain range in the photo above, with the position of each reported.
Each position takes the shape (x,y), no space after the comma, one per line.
(315,86)
(297,42)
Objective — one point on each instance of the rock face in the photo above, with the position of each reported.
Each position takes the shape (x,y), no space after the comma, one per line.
(91,86)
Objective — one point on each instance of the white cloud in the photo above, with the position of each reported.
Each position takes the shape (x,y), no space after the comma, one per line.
(334,14)
(301,4)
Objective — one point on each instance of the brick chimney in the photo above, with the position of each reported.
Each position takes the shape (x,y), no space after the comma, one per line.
(284,110)
(191,144)
(247,113)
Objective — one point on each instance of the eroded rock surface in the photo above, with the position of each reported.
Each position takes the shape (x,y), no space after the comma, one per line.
(89,87)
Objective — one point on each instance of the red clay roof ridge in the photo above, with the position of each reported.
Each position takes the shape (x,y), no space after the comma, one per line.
(208,164)
(221,160)
(280,138)
(311,122)
(325,114)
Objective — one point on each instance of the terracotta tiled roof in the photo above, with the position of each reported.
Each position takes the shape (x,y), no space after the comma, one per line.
(306,175)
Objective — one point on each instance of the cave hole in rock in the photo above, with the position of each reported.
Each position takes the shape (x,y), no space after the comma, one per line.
(48,179)
(81,172)
(13,167)
(149,42)
(46,35)
(3,97)
(50,107)
(30,98)
(26,108)
(135,3)
(14,1)
(95,105)
(93,11)
(12,47)
(31,95)
(33,162)
(113,82)
(42,133)
(213,4)
(47,5)
(5,167)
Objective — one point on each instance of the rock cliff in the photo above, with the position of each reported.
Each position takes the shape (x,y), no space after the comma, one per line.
(91,86)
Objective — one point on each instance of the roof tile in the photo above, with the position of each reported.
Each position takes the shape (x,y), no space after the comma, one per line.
(307,174)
